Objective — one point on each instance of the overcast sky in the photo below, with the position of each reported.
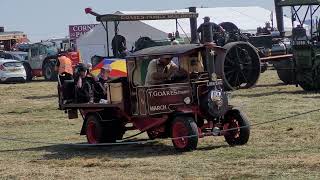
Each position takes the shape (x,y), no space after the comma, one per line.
(44,19)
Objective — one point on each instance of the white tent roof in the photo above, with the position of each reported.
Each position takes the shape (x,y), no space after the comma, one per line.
(94,42)
(132,30)
(246,18)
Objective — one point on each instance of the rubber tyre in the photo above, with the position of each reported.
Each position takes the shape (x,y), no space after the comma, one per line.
(49,72)
(239,136)
(93,130)
(28,72)
(98,131)
(112,131)
(184,126)
(112,126)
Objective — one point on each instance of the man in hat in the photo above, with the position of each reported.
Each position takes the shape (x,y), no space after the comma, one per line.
(209,30)
(160,70)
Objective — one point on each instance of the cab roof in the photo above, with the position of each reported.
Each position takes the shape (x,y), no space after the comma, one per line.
(167,50)
(146,16)
(173,50)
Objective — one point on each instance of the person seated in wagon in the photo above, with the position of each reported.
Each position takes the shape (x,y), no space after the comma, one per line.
(162,70)
(100,86)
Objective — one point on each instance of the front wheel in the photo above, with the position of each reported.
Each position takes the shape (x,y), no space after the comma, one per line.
(236,128)
(28,71)
(184,133)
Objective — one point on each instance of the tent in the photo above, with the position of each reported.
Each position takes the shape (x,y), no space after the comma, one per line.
(94,42)
(246,18)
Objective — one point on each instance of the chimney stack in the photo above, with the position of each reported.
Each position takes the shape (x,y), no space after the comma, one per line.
(193,26)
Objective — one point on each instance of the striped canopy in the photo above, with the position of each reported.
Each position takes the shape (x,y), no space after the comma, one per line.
(117,66)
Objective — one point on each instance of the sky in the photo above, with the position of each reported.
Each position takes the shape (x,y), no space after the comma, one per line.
(45,19)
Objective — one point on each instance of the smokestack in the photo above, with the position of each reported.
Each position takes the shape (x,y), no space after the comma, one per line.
(279,16)
(1,29)
(193,26)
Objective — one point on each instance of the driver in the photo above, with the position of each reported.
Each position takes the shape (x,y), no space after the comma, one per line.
(208,30)
(119,45)
(160,70)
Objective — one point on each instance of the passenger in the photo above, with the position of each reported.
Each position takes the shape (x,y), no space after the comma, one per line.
(100,85)
(162,70)
(84,92)
(104,74)
(64,68)
(89,67)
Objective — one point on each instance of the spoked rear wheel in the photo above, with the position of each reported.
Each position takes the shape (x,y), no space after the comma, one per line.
(239,66)
(236,128)
(184,132)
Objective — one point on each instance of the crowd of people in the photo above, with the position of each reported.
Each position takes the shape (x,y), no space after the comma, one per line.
(88,87)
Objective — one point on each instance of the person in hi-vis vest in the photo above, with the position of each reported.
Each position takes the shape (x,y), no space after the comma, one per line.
(64,68)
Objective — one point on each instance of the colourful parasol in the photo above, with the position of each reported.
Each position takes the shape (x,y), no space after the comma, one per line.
(118,67)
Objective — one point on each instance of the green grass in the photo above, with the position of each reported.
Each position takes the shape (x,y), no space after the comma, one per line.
(288,149)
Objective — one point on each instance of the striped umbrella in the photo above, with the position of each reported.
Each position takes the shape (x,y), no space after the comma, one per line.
(118,67)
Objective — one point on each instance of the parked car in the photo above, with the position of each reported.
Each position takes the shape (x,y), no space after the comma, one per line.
(11,70)
(18,55)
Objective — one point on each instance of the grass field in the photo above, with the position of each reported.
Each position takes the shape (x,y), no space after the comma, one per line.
(288,149)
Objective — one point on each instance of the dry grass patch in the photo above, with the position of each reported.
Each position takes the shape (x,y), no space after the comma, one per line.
(287,149)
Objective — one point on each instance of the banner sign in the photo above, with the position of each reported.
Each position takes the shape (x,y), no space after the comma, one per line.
(75,31)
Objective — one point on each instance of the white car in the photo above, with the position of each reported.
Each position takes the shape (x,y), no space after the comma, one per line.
(12,71)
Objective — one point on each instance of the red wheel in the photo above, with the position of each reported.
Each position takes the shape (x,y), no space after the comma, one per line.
(186,128)
(93,130)
(237,135)
(99,131)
